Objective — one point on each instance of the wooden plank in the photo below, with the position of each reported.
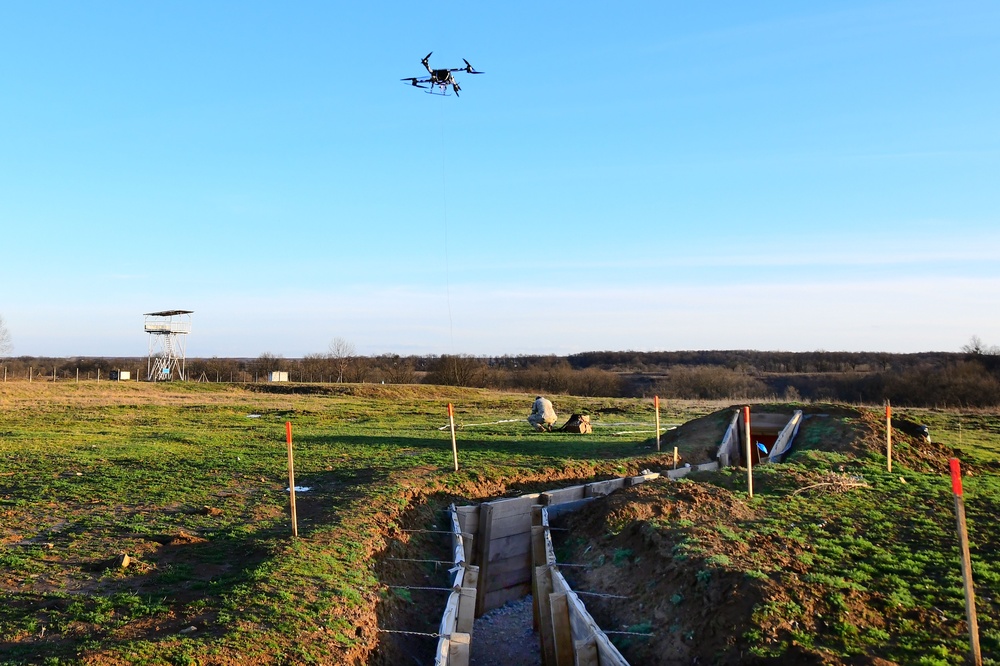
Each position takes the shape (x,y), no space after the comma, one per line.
(466,610)
(458,649)
(510,546)
(538,546)
(608,653)
(586,652)
(468,520)
(559,583)
(563,495)
(603,488)
(483,552)
(520,560)
(642,478)
(543,576)
(537,560)
(498,598)
(469,543)
(471,577)
(562,638)
(513,572)
(514,523)
(513,505)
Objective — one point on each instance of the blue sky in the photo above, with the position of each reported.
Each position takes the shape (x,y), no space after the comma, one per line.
(647,176)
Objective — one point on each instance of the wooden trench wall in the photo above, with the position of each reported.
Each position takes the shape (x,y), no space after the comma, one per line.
(499,548)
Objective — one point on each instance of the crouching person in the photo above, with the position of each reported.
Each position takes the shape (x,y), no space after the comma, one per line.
(542,415)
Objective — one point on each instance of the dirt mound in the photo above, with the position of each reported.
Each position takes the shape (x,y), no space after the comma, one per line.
(695,585)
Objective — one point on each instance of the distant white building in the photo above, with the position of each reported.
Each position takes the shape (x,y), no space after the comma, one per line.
(277,376)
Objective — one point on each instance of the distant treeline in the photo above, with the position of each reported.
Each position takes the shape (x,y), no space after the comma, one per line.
(969,379)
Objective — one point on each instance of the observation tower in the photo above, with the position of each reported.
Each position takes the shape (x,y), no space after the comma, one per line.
(168,332)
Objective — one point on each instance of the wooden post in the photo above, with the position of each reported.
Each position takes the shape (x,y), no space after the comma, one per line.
(656,406)
(53,373)
(888,434)
(29,374)
(459,647)
(546,632)
(675,457)
(291,478)
(77,376)
(454,444)
(963,541)
(562,635)
(483,548)
(749,451)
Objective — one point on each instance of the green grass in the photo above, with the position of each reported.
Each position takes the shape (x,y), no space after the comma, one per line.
(190,480)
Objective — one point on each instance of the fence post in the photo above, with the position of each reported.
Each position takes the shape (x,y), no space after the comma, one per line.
(656,406)
(454,444)
(963,541)
(888,434)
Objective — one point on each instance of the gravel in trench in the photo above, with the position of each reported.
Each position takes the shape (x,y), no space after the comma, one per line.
(504,637)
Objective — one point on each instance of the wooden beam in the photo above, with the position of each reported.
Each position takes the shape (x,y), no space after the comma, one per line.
(543,576)
(466,610)
(562,636)
(458,649)
(586,652)
(483,551)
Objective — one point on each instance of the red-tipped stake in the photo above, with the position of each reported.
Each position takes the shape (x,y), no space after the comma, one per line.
(963,540)
(454,444)
(291,478)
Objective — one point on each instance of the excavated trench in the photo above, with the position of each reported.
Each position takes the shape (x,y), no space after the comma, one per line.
(419,566)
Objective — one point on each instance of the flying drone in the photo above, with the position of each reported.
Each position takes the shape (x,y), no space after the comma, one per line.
(440,78)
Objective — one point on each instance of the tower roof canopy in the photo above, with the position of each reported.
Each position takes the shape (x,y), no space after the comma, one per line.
(167,313)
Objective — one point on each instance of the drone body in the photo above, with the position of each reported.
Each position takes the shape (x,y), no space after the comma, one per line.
(439,78)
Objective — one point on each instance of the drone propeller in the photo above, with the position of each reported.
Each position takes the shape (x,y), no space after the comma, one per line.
(427,58)
(469,68)
(414,81)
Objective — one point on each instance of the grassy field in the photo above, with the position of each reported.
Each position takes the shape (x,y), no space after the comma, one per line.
(190,480)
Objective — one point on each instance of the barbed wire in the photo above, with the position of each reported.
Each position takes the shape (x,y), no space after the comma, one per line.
(411,633)
(600,594)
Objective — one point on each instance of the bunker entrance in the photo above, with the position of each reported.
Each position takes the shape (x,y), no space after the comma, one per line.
(770,437)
